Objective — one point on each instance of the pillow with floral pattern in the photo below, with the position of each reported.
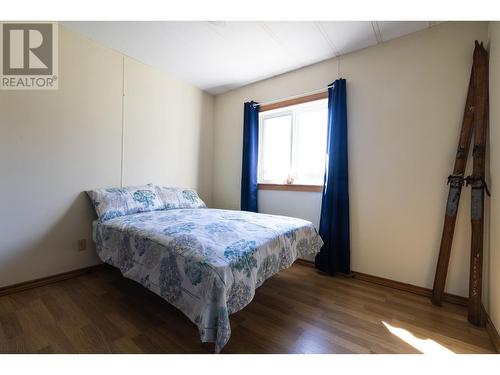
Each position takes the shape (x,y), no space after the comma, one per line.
(113,202)
(174,198)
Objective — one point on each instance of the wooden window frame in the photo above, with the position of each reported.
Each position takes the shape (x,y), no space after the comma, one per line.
(294,101)
(283,104)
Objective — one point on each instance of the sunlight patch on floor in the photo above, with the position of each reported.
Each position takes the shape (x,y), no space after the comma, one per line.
(426,346)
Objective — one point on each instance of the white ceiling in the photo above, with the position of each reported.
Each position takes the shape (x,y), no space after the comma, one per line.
(219,56)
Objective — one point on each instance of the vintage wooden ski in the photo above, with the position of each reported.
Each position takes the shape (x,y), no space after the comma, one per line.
(478,186)
(456,181)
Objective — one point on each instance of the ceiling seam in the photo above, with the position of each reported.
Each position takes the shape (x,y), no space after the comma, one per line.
(273,35)
(332,45)
(376,31)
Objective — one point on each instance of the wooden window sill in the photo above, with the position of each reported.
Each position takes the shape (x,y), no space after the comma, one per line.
(291,187)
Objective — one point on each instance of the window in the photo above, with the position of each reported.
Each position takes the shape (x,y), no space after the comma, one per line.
(292,144)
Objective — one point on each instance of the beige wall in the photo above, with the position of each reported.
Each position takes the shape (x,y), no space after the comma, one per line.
(494,259)
(56,144)
(168,134)
(405,106)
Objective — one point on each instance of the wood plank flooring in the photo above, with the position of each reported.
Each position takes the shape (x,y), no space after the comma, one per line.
(297,311)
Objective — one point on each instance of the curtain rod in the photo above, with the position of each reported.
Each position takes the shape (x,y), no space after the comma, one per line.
(295,96)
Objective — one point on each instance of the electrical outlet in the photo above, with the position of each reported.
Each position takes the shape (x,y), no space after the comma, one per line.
(82,245)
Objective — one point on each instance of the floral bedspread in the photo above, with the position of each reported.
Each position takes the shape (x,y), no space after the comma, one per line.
(206,262)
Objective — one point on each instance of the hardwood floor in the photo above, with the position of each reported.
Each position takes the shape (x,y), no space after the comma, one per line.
(296,311)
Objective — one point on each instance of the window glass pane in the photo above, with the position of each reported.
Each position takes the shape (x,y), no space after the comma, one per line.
(276,148)
(311,145)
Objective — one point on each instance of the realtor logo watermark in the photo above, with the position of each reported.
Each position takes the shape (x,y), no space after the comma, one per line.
(28,56)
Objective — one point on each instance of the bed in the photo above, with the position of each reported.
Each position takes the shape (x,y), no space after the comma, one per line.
(205,262)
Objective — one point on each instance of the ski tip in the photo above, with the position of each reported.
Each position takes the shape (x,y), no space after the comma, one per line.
(479,47)
(478,44)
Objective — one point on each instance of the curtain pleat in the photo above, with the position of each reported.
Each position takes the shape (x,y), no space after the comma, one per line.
(334,221)
(250,157)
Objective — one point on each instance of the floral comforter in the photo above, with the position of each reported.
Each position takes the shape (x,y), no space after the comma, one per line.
(206,262)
